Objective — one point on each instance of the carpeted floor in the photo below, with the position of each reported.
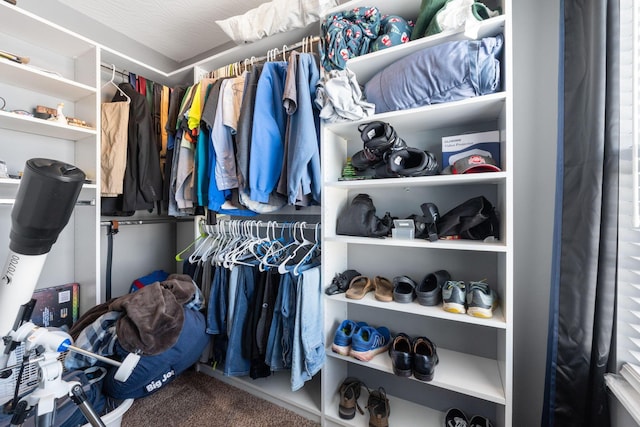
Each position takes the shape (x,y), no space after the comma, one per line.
(195,399)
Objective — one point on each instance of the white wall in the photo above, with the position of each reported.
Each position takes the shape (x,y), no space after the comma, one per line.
(535,34)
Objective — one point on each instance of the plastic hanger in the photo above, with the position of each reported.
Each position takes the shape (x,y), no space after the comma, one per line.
(112,83)
(312,253)
(303,243)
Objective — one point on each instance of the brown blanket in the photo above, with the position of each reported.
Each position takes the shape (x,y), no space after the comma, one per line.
(153,315)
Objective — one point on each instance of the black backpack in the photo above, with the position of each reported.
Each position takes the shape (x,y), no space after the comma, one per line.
(360,219)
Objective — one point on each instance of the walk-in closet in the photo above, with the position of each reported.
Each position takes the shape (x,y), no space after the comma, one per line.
(257,203)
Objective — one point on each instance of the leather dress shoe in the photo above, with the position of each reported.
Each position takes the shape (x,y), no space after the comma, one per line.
(401,355)
(425,359)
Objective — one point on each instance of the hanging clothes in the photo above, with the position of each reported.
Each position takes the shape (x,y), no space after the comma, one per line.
(113,147)
(142,185)
(301,179)
(268,132)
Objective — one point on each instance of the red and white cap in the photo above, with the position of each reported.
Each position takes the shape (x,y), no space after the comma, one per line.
(475,163)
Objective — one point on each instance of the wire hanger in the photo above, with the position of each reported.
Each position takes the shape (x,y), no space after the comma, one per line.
(112,82)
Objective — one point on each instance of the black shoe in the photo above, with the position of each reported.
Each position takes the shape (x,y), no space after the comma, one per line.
(456,418)
(403,289)
(379,409)
(349,394)
(429,291)
(340,282)
(401,355)
(425,358)
(408,161)
(379,138)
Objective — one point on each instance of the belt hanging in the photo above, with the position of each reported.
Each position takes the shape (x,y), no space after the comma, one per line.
(112,229)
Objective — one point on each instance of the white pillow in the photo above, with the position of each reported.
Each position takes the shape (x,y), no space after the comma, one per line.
(274,17)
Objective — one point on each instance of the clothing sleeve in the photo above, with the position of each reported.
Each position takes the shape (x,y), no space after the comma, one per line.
(267,142)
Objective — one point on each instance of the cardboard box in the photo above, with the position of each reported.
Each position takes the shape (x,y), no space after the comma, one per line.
(458,146)
(57,306)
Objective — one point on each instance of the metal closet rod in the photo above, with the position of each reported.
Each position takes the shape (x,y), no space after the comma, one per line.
(91,202)
(262,223)
(145,221)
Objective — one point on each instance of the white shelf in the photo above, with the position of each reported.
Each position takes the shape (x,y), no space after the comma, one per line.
(455,245)
(276,388)
(497,321)
(34,79)
(456,113)
(35,30)
(460,372)
(423,181)
(366,66)
(402,413)
(28,124)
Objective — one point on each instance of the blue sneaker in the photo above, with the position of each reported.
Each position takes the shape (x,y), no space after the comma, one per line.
(369,341)
(453,296)
(342,338)
(481,300)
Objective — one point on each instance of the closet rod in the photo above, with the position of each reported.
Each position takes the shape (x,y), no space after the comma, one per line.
(110,68)
(303,224)
(91,202)
(146,221)
(276,51)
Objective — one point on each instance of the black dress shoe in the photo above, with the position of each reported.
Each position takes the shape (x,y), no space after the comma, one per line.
(401,355)
(425,358)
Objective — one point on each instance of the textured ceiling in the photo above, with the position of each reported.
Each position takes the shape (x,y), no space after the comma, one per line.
(178,29)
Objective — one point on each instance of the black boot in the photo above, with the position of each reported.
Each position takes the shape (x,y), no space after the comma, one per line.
(379,138)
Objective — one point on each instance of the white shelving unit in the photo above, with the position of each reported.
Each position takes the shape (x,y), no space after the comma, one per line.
(476,355)
(62,68)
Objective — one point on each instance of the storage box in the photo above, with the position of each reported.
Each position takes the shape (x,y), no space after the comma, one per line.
(457,147)
(56,306)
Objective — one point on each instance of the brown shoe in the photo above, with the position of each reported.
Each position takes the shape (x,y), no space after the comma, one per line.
(384,289)
(379,410)
(359,287)
(349,394)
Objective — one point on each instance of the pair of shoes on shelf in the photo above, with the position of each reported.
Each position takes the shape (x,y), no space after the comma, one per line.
(456,418)
(341,281)
(377,403)
(359,340)
(478,299)
(344,335)
(361,285)
(350,390)
(418,357)
(428,292)
(388,155)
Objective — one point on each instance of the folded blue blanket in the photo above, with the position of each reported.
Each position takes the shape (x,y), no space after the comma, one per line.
(448,72)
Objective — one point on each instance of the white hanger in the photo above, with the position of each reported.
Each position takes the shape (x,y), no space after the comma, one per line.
(112,82)
(303,243)
(310,254)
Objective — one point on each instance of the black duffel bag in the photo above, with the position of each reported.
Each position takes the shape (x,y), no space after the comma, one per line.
(475,219)
(359,219)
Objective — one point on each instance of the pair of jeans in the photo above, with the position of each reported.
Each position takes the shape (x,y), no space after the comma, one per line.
(308,354)
(217,307)
(235,363)
(279,343)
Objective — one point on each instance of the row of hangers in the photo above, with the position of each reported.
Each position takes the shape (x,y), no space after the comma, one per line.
(306,45)
(265,245)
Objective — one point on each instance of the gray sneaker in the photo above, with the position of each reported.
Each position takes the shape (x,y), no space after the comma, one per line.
(453,296)
(481,300)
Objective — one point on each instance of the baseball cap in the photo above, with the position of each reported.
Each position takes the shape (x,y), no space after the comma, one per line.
(475,163)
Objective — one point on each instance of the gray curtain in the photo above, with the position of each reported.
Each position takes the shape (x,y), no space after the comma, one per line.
(583,287)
